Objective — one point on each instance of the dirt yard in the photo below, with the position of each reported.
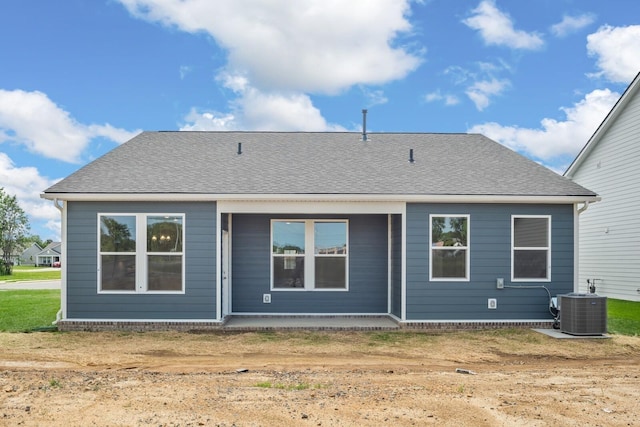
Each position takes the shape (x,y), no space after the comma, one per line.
(490,378)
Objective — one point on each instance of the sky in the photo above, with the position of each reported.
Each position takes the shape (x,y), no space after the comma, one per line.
(78,78)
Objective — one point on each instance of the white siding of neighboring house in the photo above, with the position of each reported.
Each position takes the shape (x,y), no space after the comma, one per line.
(609,246)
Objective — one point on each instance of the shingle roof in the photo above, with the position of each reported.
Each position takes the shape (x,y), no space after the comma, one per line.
(315,163)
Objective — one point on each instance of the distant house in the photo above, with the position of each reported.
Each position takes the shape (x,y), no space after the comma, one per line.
(610,230)
(30,255)
(193,228)
(50,255)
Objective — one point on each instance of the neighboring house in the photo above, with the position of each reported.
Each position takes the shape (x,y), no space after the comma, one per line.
(610,230)
(50,255)
(30,255)
(185,228)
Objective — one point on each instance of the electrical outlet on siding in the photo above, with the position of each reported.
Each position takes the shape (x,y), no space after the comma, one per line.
(266,298)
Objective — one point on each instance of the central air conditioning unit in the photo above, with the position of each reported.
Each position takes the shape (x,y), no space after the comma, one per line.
(583,314)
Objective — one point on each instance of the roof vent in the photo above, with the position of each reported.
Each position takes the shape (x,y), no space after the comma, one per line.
(411,160)
(239,148)
(364,125)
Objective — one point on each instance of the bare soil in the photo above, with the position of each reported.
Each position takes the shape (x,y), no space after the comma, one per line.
(487,378)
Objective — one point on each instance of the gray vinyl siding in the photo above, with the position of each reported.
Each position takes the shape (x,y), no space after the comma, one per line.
(368,269)
(490,258)
(396,265)
(610,229)
(199,299)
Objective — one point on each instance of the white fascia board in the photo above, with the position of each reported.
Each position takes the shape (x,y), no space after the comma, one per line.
(296,198)
(310,207)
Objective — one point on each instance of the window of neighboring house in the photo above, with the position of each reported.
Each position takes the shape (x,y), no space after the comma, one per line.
(309,255)
(449,235)
(126,264)
(531,248)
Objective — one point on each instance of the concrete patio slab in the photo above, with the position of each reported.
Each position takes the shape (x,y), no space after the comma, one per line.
(556,333)
(257,323)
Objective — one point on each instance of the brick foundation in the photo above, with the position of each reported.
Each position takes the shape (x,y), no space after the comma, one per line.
(148,326)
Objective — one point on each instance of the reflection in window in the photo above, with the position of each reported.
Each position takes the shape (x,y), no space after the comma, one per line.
(126,266)
(288,272)
(309,254)
(118,233)
(118,252)
(164,273)
(118,272)
(164,234)
(449,247)
(330,241)
(288,247)
(330,238)
(531,248)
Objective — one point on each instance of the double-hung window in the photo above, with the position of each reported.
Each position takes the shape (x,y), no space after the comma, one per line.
(449,243)
(141,253)
(309,254)
(531,248)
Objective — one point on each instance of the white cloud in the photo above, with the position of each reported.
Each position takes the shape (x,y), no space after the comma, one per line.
(272,111)
(481,91)
(571,24)
(184,71)
(26,183)
(617,50)
(316,46)
(374,97)
(496,28)
(555,142)
(33,120)
(480,83)
(257,110)
(448,100)
(209,121)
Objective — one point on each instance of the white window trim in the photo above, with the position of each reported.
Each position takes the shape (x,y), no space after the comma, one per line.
(309,256)
(548,249)
(141,254)
(467,274)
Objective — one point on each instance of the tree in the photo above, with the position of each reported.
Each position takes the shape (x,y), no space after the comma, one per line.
(36,239)
(13,228)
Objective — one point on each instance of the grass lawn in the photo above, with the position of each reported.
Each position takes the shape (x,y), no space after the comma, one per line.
(623,317)
(22,273)
(22,311)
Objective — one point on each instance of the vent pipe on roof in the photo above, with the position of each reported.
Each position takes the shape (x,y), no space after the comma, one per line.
(239,148)
(364,125)
(411,160)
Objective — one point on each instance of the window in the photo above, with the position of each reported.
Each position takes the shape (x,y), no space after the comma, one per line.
(309,255)
(126,264)
(164,253)
(117,263)
(449,247)
(531,248)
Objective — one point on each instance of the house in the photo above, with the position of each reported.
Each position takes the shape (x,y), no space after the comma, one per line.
(194,228)
(29,255)
(50,255)
(610,230)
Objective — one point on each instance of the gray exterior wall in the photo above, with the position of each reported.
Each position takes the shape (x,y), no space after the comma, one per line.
(368,269)
(490,245)
(396,265)
(199,299)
